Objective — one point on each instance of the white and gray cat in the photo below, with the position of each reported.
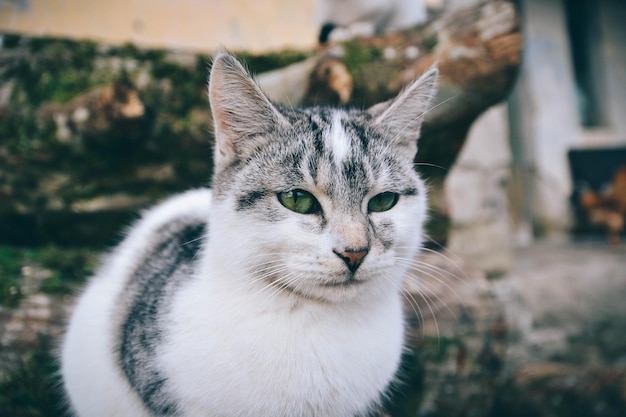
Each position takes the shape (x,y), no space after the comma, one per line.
(276,294)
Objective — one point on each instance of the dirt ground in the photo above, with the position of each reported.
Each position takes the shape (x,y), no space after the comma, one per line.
(562,300)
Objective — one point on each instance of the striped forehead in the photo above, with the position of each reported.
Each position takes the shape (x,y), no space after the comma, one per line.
(342,166)
(337,142)
(331,151)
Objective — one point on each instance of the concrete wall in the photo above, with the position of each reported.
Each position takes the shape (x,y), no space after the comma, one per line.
(545,123)
(476,195)
(612,46)
(544,116)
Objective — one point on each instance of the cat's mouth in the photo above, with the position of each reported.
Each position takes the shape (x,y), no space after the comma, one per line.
(349,282)
(325,291)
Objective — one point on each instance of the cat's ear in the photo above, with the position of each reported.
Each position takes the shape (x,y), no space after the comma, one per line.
(243,116)
(401,117)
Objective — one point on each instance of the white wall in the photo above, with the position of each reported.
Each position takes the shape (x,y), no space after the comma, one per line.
(545,117)
(202,25)
(612,21)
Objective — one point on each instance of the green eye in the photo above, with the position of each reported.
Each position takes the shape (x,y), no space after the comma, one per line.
(299,201)
(382,202)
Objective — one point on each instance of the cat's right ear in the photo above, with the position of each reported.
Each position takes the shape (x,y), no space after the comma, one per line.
(402,117)
(243,116)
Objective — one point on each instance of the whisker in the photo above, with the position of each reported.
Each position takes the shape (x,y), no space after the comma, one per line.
(276,286)
(423,115)
(427,164)
(449,260)
(414,305)
(430,267)
(421,317)
(283,285)
(417,269)
(439,105)
(193,240)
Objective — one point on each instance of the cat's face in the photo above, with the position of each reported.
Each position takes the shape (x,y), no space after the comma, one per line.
(317,203)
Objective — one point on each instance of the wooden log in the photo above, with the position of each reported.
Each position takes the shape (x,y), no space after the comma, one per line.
(98,132)
(478,51)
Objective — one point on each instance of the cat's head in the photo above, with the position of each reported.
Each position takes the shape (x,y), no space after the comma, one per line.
(317,203)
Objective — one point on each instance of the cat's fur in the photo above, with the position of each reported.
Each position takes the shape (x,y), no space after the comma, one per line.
(225,303)
(340,20)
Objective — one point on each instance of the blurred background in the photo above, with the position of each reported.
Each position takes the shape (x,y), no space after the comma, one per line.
(200,25)
(103,111)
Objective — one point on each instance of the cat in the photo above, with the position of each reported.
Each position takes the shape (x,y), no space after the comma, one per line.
(277,293)
(340,20)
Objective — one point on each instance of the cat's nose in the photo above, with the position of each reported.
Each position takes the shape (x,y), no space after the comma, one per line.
(352,257)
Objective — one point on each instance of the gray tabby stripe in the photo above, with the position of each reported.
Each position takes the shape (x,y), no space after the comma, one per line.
(148,294)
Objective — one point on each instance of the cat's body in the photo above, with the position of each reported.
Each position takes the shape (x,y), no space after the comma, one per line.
(277,293)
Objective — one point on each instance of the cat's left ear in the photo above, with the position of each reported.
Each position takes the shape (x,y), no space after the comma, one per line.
(401,117)
(243,116)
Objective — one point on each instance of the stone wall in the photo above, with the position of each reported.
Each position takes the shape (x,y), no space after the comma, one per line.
(477,198)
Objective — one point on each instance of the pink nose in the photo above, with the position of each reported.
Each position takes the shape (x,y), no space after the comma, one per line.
(352,257)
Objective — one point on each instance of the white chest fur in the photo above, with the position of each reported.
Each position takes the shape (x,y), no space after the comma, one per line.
(243,359)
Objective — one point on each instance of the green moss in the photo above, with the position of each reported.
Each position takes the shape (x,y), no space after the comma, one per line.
(188,87)
(271,61)
(10,269)
(437,229)
(61,69)
(31,386)
(438,349)
(128,50)
(357,54)
(375,75)
(68,267)
(10,41)
(429,43)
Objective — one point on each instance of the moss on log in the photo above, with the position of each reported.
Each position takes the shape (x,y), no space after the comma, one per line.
(90,133)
